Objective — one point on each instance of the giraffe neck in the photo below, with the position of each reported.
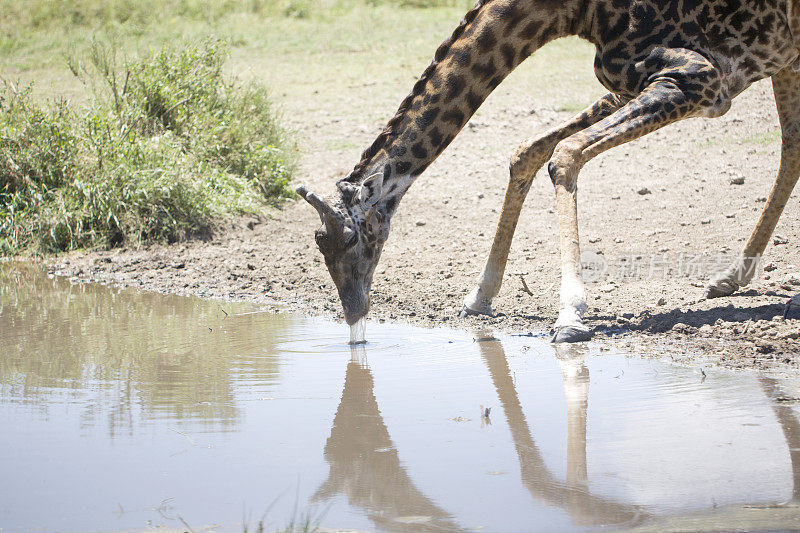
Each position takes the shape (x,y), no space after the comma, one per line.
(492,40)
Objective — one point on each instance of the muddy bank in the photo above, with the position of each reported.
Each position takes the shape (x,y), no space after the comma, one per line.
(664,213)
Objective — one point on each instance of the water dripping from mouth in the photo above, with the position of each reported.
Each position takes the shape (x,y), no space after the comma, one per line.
(358,332)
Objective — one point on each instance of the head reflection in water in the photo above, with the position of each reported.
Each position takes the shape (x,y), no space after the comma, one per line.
(365,465)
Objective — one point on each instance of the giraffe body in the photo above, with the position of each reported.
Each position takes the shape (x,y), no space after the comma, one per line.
(661,60)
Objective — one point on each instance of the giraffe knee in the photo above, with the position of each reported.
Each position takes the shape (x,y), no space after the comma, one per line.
(565,164)
(528,158)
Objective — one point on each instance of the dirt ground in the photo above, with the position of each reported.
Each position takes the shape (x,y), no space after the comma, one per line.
(706,182)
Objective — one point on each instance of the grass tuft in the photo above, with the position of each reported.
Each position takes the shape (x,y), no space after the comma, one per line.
(165,146)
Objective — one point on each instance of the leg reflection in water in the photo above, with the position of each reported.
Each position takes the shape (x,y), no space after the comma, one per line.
(787,418)
(365,466)
(573,495)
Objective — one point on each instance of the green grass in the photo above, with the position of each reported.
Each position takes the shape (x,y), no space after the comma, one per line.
(166,146)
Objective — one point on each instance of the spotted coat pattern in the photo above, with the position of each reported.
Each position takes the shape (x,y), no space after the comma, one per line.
(661,60)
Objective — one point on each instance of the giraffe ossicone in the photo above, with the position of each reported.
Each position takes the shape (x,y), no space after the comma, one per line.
(661,61)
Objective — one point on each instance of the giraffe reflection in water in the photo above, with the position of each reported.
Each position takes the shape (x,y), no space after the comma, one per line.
(573,495)
(365,466)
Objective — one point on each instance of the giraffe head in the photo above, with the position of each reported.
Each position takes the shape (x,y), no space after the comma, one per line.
(351,239)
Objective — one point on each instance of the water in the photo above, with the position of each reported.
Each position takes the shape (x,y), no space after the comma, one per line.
(358,332)
(125,411)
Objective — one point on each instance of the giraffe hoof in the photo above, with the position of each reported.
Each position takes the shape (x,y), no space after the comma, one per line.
(719,288)
(466,311)
(577,333)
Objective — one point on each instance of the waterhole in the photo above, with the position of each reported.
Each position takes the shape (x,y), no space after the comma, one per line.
(129,411)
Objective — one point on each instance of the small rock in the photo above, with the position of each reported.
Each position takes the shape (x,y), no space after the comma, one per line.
(706,329)
(738,180)
(178,265)
(790,334)
(616,197)
(680,327)
(706,221)
(644,191)
(595,240)
(761,199)
(790,281)
(779,239)
(480,196)
(607,288)
(250,266)
(770,267)
(764,347)
(661,301)
(421,222)
(730,215)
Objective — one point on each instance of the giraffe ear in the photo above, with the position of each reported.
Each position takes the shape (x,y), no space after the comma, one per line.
(371,190)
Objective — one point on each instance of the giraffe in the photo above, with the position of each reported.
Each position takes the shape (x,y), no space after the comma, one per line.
(661,60)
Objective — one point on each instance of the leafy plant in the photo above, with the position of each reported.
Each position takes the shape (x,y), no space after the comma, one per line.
(166,146)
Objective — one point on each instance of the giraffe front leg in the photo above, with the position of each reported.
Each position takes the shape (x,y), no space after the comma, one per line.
(685,84)
(564,169)
(527,160)
(786,86)
(479,300)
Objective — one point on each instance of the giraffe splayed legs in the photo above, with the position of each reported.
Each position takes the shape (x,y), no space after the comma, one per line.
(661,61)
(676,94)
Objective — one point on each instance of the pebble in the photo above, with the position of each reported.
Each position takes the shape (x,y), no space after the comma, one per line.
(661,301)
(421,222)
(644,191)
(607,288)
(790,281)
(780,239)
(706,329)
(706,221)
(770,267)
(738,180)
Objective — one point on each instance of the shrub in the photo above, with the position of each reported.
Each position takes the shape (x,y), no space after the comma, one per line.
(165,147)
